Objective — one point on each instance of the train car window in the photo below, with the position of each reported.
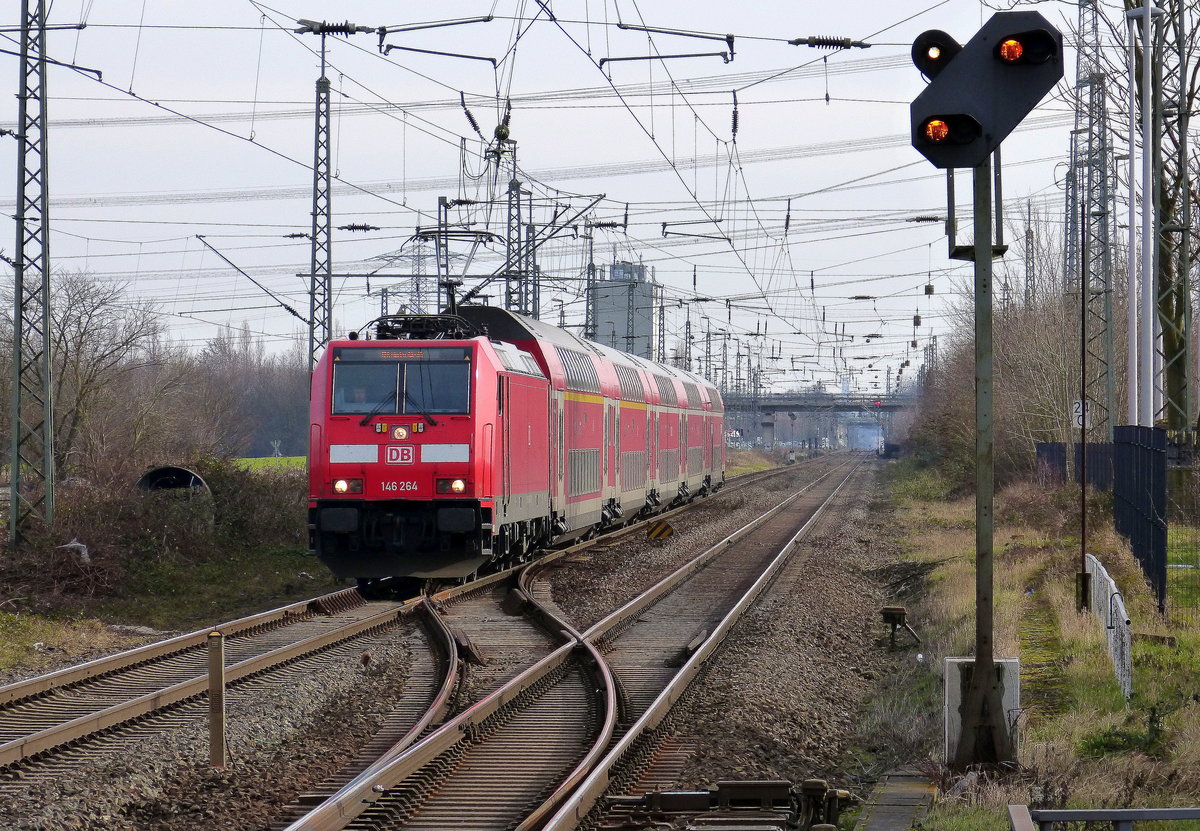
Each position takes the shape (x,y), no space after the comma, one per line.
(631,384)
(365,388)
(666,391)
(579,369)
(437,388)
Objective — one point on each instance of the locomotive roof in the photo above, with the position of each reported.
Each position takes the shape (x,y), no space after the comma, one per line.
(502,324)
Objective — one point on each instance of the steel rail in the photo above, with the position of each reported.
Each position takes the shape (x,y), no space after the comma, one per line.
(26,746)
(78,728)
(580,803)
(292,612)
(348,803)
(635,606)
(354,800)
(360,793)
(611,710)
(161,649)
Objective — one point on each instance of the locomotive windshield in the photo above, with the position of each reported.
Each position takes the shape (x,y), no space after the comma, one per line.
(401,381)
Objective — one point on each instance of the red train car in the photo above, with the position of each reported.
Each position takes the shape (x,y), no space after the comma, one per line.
(452,442)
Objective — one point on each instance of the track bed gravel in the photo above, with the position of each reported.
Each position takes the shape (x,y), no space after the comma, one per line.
(590,585)
(283,738)
(782,698)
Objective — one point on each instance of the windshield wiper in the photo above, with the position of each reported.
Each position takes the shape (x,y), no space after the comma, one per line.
(426,416)
(391,396)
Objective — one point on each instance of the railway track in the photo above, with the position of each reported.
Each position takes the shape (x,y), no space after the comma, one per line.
(51,723)
(511,759)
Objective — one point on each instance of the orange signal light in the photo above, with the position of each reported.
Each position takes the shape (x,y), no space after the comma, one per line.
(1011,50)
(937,130)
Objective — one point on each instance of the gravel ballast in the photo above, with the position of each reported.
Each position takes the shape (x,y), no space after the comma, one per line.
(780,700)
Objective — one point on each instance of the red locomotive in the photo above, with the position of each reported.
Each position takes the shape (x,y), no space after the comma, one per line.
(451,442)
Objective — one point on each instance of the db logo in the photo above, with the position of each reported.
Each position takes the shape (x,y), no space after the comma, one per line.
(399,454)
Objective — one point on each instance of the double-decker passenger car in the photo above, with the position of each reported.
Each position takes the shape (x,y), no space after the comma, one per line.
(452,442)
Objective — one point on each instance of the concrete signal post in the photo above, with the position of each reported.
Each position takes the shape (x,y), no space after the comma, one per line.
(977,94)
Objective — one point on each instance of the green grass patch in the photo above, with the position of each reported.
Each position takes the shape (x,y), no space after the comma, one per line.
(34,641)
(272,462)
(1183,567)
(175,593)
(1132,737)
(962,818)
(912,482)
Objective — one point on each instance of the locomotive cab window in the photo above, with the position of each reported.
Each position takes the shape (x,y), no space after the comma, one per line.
(404,381)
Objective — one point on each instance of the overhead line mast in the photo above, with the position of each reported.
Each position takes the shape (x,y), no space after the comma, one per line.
(31,468)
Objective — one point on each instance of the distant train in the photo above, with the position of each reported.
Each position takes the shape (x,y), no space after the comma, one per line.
(452,443)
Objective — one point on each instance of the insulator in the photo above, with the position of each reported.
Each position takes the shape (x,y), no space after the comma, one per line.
(346,28)
(916,320)
(929,288)
(470,118)
(827,42)
(735,124)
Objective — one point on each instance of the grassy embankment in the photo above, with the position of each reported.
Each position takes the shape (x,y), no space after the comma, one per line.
(1081,744)
(166,563)
(738,462)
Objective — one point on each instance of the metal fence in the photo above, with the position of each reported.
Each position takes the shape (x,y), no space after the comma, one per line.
(1183,526)
(1109,607)
(1021,818)
(1140,500)
(1051,463)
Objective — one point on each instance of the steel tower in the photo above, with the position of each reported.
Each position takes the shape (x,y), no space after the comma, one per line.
(1089,220)
(31,471)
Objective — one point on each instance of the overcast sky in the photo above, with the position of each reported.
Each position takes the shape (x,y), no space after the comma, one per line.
(203,125)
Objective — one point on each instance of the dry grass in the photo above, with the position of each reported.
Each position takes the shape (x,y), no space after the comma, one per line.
(37,644)
(1092,751)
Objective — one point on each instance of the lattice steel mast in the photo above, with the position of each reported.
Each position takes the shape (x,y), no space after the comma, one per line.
(31,470)
(320,303)
(1089,219)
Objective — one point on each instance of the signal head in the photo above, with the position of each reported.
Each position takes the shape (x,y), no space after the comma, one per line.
(957,128)
(1035,46)
(983,89)
(932,51)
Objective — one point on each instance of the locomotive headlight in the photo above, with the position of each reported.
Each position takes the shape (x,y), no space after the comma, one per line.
(450,486)
(400,433)
(348,486)
(458,486)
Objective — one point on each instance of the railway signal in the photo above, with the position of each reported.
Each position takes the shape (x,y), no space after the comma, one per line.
(980,92)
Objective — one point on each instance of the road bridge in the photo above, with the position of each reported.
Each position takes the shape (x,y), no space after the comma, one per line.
(818,402)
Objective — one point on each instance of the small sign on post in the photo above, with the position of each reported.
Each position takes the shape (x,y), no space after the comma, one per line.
(1081,415)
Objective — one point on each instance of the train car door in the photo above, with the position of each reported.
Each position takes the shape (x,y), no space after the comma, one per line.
(614,444)
(605,465)
(652,441)
(505,445)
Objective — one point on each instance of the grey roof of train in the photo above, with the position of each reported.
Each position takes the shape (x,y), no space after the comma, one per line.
(504,325)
